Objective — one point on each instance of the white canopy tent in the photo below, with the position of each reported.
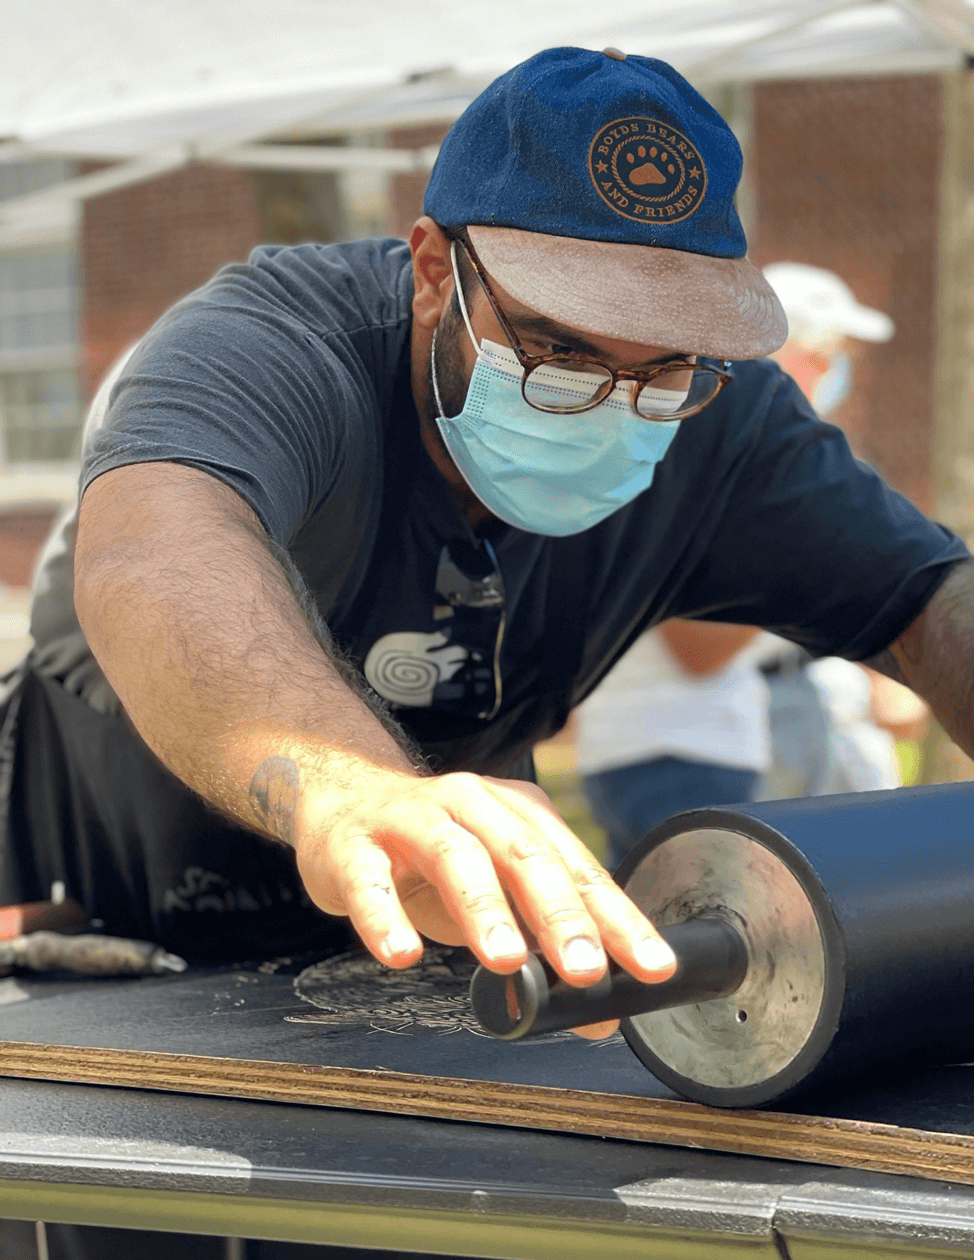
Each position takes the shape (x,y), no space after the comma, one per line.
(109,77)
(165,82)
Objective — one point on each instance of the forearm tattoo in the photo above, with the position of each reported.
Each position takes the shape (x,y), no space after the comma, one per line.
(274,796)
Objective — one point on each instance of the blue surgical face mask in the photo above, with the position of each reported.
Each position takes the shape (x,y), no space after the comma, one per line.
(552,474)
(834,385)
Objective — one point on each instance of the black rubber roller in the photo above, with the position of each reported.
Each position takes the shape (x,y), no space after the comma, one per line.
(856,916)
(711,961)
(858,913)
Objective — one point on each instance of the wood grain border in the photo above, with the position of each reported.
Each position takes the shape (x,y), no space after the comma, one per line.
(809,1139)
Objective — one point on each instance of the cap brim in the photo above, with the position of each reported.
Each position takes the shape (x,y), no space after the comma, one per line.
(719,307)
(863,323)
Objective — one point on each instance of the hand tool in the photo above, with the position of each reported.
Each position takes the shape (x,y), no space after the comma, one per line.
(91,955)
(29,941)
(856,918)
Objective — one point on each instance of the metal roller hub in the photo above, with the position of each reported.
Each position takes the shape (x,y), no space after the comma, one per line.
(741,1041)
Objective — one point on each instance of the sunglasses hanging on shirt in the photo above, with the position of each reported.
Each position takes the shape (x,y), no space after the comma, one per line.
(469,606)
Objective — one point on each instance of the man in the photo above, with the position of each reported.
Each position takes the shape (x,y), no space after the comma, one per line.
(462,481)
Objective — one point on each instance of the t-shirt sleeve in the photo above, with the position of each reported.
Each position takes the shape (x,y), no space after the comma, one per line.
(245,380)
(811,543)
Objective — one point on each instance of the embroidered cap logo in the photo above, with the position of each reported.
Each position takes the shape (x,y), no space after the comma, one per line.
(646,170)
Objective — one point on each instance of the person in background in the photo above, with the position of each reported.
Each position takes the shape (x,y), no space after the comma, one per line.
(833,723)
(680,722)
(824,322)
(703,713)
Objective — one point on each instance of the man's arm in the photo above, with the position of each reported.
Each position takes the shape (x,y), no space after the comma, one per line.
(703,647)
(896,708)
(934,656)
(200,633)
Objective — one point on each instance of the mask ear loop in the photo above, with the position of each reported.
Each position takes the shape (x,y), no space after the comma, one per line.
(463,301)
(436,384)
(466,320)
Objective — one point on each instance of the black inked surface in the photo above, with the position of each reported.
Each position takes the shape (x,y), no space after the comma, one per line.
(254,1011)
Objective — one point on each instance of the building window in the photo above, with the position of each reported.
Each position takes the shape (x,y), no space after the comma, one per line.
(40,397)
(41,415)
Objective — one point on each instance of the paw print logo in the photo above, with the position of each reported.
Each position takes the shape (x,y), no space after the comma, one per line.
(648,172)
(643,169)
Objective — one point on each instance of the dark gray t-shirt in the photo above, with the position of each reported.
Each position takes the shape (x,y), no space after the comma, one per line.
(288,378)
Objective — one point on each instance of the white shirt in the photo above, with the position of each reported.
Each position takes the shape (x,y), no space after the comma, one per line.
(648,706)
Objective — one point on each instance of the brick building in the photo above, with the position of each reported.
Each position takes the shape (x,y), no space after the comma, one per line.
(846,175)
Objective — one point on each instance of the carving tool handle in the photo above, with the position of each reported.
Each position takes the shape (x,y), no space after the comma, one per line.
(88,955)
(711,962)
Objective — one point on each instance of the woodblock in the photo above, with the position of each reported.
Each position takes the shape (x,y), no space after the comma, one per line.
(347,1033)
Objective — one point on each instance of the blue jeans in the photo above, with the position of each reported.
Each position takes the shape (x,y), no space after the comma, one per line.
(628,801)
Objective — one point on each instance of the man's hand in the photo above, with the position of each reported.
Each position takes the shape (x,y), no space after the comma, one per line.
(466,859)
(203,639)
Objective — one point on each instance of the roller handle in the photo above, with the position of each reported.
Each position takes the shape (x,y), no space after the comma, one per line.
(711,962)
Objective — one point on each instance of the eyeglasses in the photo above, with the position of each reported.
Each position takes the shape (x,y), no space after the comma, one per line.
(699,382)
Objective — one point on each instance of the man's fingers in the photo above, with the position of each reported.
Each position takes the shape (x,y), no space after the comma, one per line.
(459,866)
(464,873)
(444,855)
(445,881)
(622,928)
(372,903)
(626,932)
(534,873)
(487,924)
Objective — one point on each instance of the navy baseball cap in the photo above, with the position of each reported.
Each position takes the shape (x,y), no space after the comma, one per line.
(598,189)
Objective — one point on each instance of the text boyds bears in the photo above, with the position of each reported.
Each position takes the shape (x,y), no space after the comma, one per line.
(666,137)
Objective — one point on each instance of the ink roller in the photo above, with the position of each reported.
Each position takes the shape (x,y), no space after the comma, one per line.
(817,939)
